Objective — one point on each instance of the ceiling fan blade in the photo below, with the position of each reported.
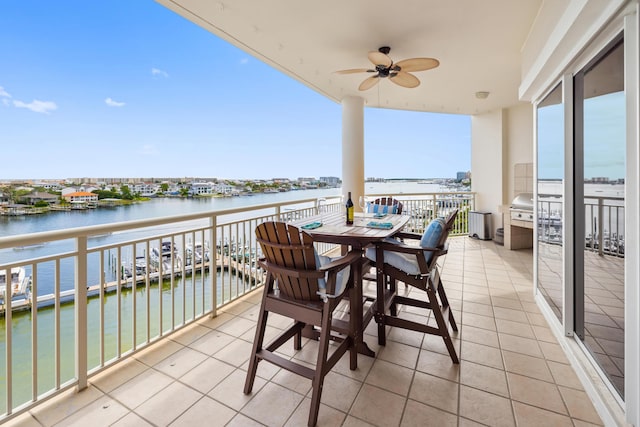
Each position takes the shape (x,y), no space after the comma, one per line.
(418,64)
(369,82)
(405,79)
(355,70)
(379,58)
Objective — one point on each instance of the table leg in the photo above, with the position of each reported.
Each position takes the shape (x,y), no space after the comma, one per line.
(361,345)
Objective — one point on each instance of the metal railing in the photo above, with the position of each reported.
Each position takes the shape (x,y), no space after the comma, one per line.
(424,207)
(98,294)
(604,223)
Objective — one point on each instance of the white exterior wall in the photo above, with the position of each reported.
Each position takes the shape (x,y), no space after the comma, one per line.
(519,143)
(487,171)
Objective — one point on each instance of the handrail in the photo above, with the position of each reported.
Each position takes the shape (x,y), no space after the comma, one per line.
(70,233)
(604,223)
(98,280)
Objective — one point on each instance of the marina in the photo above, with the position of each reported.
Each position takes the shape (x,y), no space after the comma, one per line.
(18,283)
(152,273)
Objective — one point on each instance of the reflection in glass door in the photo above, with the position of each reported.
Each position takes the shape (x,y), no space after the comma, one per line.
(550,134)
(599,200)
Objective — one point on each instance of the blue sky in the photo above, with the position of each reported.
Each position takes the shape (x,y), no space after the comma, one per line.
(604,138)
(129,89)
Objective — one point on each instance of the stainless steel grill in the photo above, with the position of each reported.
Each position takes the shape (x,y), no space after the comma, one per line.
(522,207)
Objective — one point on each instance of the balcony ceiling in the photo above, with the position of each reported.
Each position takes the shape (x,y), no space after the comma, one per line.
(478,44)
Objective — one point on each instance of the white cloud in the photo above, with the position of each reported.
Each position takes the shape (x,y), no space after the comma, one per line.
(244,61)
(156,72)
(111,103)
(36,106)
(149,150)
(4,93)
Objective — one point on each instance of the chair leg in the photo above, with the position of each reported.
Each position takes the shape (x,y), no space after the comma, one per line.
(297,341)
(353,350)
(393,286)
(318,379)
(257,345)
(380,304)
(442,323)
(445,304)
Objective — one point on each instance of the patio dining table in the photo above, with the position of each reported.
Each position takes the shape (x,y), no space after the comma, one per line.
(367,229)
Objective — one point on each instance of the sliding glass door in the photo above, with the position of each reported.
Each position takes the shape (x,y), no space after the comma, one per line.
(550,217)
(599,195)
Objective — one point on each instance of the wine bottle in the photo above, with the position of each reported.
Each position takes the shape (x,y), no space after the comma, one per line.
(349,210)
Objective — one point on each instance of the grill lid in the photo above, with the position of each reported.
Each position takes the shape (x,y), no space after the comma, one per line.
(523,201)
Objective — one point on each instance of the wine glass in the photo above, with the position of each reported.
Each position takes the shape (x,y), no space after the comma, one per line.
(362,201)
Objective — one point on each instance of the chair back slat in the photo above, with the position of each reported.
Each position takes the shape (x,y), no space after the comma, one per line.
(283,245)
(389,201)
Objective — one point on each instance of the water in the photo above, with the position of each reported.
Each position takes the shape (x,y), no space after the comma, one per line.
(10,226)
(161,207)
(191,285)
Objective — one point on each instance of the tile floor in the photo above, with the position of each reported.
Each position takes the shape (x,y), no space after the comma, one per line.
(603,308)
(512,370)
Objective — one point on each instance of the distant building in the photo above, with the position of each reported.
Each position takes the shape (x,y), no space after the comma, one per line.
(330,181)
(48,185)
(146,189)
(201,188)
(39,196)
(223,188)
(462,175)
(81,196)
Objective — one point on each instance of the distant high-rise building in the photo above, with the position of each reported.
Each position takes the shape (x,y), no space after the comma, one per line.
(460,176)
(331,181)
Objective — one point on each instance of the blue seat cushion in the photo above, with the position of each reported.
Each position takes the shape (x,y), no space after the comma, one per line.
(401,261)
(382,209)
(431,236)
(408,262)
(341,279)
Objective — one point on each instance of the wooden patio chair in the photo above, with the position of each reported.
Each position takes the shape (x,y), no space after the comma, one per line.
(307,288)
(415,266)
(385,205)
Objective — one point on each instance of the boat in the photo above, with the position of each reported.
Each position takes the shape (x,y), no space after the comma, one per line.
(197,253)
(25,247)
(164,255)
(18,284)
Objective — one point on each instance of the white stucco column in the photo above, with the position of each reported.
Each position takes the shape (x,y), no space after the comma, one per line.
(353,148)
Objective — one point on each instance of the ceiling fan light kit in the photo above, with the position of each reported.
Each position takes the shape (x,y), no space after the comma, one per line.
(398,73)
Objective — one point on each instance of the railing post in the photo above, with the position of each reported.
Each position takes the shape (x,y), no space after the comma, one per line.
(213,263)
(80,305)
(434,199)
(6,298)
(600,225)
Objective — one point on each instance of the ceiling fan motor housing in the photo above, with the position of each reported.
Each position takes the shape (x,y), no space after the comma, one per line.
(399,73)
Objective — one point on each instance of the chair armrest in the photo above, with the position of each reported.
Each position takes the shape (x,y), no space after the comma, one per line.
(407,235)
(342,262)
(332,270)
(407,249)
(298,274)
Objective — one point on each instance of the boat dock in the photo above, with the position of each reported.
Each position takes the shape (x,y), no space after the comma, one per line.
(227,263)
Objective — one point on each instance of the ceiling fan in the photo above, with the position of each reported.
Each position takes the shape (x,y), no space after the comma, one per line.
(397,73)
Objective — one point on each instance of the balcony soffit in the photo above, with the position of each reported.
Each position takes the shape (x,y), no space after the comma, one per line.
(477,43)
